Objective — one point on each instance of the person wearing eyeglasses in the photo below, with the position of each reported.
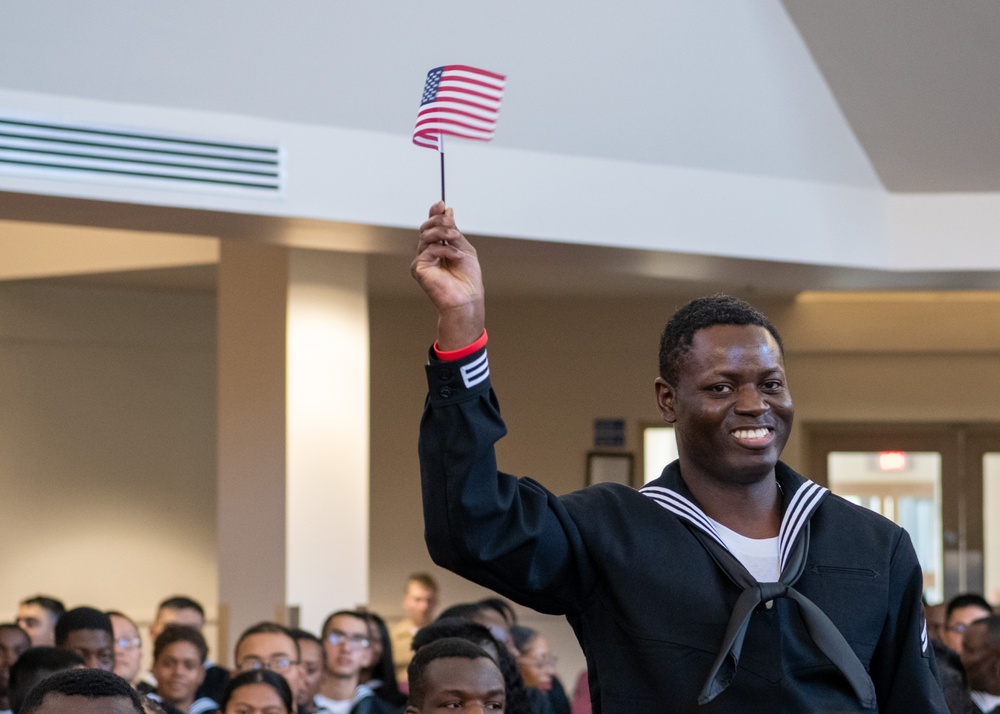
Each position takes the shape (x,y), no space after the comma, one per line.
(962,611)
(128,646)
(347,641)
(270,646)
(981,659)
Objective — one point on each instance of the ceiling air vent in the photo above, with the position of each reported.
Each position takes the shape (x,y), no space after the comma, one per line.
(67,151)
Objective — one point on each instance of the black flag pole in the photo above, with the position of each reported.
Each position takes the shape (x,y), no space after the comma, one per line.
(441,151)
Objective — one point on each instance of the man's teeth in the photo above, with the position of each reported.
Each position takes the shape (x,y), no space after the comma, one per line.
(750,433)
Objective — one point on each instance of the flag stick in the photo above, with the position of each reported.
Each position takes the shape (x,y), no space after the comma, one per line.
(441,151)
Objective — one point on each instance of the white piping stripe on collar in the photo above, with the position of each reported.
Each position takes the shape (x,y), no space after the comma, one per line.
(476,372)
(923,638)
(803,503)
(683,508)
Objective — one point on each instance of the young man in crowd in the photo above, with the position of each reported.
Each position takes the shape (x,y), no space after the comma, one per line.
(179,667)
(961,612)
(981,660)
(347,640)
(419,603)
(38,617)
(82,691)
(88,632)
(268,645)
(454,675)
(183,610)
(13,643)
(33,666)
(809,602)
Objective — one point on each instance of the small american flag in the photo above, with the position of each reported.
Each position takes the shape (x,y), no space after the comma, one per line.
(458,100)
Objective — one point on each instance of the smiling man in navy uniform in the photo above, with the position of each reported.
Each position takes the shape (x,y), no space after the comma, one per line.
(729,584)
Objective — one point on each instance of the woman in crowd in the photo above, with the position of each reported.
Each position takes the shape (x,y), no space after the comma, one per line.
(538,666)
(380,675)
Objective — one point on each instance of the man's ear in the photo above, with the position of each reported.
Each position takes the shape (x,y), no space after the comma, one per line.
(665,399)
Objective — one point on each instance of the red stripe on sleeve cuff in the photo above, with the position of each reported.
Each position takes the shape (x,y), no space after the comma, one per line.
(452,355)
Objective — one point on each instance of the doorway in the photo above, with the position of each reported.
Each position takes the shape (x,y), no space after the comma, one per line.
(939,481)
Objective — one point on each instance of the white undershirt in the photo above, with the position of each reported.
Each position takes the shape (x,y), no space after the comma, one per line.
(758,555)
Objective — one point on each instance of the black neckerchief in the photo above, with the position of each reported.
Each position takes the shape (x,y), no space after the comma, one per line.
(802,498)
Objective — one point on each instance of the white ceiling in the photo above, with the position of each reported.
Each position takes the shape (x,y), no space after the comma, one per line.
(717,84)
(918,83)
(902,93)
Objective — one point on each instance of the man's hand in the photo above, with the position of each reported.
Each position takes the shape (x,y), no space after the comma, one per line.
(447,269)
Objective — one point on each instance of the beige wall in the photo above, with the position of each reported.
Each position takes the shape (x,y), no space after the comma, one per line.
(107,446)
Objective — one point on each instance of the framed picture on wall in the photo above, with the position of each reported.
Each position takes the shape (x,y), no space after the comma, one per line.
(609,467)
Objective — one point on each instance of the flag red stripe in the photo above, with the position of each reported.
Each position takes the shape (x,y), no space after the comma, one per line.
(471,92)
(430,109)
(435,123)
(469,80)
(474,70)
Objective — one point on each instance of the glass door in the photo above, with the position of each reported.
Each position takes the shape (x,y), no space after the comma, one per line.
(890,468)
(903,486)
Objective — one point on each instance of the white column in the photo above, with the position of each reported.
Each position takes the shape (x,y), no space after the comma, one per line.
(327,406)
(292,435)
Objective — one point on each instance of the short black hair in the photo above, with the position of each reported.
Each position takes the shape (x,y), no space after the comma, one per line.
(480,636)
(357,614)
(53,605)
(35,664)
(180,633)
(82,618)
(699,314)
(440,649)
(966,600)
(181,602)
(90,683)
(462,610)
(267,628)
(259,676)
(505,609)
(452,627)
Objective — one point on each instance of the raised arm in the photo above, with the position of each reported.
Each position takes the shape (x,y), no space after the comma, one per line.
(510,535)
(447,268)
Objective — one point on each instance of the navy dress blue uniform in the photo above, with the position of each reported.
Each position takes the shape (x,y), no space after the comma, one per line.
(654,600)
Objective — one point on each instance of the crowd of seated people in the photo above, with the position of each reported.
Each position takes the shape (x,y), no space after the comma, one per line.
(965,634)
(50,658)
(473,653)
